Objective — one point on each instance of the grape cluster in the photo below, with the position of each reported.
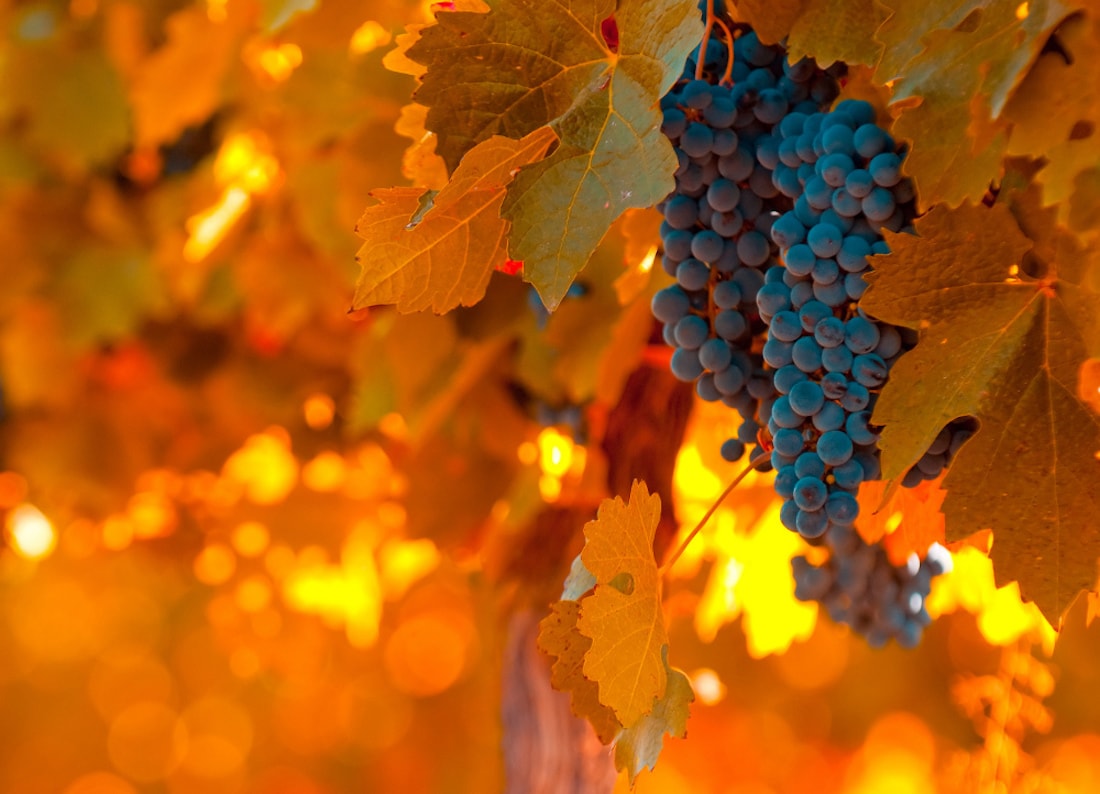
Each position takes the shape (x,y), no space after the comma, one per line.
(829,361)
(777,207)
(861,587)
(717,222)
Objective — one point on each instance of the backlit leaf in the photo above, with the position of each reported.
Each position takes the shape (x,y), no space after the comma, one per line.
(446,259)
(559,638)
(771,19)
(837,30)
(1004,347)
(911,521)
(974,55)
(638,746)
(623,615)
(1056,114)
(486,77)
(198,47)
(74,102)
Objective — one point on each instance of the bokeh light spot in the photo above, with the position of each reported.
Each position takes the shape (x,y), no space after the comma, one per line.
(368,36)
(326,473)
(319,410)
(253,594)
(147,742)
(31,534)
(427,653)
(220,738)
(99,783)
(215,564)
(251,538)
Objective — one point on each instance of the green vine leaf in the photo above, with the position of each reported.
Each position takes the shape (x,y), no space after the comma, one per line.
(1005,347)
(524,65)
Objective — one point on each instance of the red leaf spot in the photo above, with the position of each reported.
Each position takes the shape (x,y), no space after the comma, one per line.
(510,267)
(609,28)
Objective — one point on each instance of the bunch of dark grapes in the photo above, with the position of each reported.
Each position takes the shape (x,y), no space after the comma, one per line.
(860,587)
(829,360)
(717,222)
(777,207)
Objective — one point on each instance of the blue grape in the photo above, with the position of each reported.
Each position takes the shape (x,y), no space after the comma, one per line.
(685,365)
(715,354)
(812,523)
(878,205)
(848,474)
(829,417)
(726,294)
(870,140)
(773,298)
(692,274)
(707,246)
(670,304)
(706,389)
(786,377)
(834,168)
(806,397)
(697,139)
(861,335)
(825,271)
(732,450)
(869,370)
(681,212)
(858,430)
(723,195)
(786,326)
(885,169)
(730,380)
(788,441)
(730,324)
(829,332)
(836,359)
(810,493)
(834,447)
(859,182)
(753,249)
(691,331)
(856,398)
(824,239)
(806,354)
(800,259)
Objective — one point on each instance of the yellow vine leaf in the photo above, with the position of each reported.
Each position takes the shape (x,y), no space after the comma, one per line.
(837,30)
(911,521)
(771,19)
(1056,112)
(623,616)
(420,164)
(958,62)
(1005,347)
(559,639)
(442,257)
(197,46)
(638,746)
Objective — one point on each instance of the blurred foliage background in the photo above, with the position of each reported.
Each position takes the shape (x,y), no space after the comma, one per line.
(255,544)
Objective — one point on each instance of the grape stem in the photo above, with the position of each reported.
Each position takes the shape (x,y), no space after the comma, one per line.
(700,64)
(755,462)
(727,76)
